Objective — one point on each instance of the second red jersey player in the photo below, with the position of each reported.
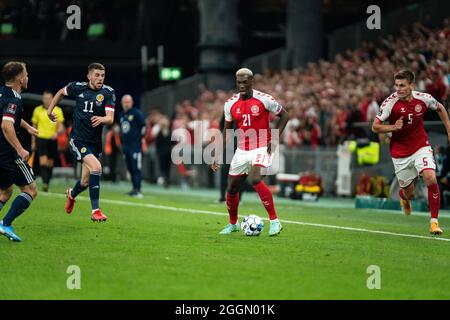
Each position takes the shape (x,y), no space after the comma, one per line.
(410,149)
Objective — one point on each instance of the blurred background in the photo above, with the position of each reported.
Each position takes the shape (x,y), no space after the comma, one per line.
(177,58)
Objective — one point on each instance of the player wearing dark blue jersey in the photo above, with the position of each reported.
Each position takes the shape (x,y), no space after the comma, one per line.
(132,124)
(94,108)
(14,168)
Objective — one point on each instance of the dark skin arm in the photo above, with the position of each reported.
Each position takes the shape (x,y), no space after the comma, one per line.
(284,118)
(228,125)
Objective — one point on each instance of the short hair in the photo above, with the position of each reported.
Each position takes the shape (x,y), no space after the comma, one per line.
(405,75)
(244,72)
(95,66)
(12,69)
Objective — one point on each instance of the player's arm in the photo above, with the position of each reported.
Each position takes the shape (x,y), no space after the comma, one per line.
(56,99)
(33,140)
(30,129)
(227,125)
(108,119)
(10,134)
(379,127)
(444,118)
(284,118)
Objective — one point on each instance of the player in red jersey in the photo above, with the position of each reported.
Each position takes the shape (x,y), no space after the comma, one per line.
(410,149)
(250,110)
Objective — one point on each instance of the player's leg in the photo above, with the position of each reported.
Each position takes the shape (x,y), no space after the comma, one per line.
(261,159)
(95,172)
(129,164)
(43,151)
(406,195)
(266,197)
(405,172)
(43,164)
(136,174)
(426,167)
(239,169)
(232,201)
(5,195)
(434,201)
(53,153)
(78,188)
(22,175)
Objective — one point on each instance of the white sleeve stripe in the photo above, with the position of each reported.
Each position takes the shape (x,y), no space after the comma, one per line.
(8,118)
(65,91)
(109,109)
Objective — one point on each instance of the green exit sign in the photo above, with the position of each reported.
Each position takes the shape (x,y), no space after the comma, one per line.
(170,74)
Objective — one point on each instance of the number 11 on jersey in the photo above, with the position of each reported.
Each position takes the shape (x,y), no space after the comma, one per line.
(86,106)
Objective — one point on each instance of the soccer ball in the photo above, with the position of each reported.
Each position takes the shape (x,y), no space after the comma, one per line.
(252,225)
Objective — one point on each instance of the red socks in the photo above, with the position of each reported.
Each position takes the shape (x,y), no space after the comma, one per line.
(402,194)
(266,199)
(232,201)
(434,200)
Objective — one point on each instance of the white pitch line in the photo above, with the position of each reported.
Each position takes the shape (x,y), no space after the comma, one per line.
(319,225)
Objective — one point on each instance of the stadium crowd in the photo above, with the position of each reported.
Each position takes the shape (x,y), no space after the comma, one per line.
(325,99)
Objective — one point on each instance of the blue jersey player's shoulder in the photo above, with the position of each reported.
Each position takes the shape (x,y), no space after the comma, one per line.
(75,88)
(110,96)
(10,103)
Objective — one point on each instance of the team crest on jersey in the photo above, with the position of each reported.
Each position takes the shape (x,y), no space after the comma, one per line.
(130,117)
(418,108)
(83,150)
(99,99)
(11,108)
(254,109)
(402,109)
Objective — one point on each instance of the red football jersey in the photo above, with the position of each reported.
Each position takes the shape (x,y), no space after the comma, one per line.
(252,118)
(412,136)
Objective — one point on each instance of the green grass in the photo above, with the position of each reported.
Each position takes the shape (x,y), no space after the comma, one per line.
(158,253)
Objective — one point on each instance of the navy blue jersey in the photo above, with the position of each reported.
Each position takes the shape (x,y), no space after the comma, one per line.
(11,106)
(132,124)
(89,103)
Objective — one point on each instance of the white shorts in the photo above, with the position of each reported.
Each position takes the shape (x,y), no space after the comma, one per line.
(244,160)
(409,168)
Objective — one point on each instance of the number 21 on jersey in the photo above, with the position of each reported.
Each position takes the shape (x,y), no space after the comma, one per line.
(246,122)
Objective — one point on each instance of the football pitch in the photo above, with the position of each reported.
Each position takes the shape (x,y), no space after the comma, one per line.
(167,246)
